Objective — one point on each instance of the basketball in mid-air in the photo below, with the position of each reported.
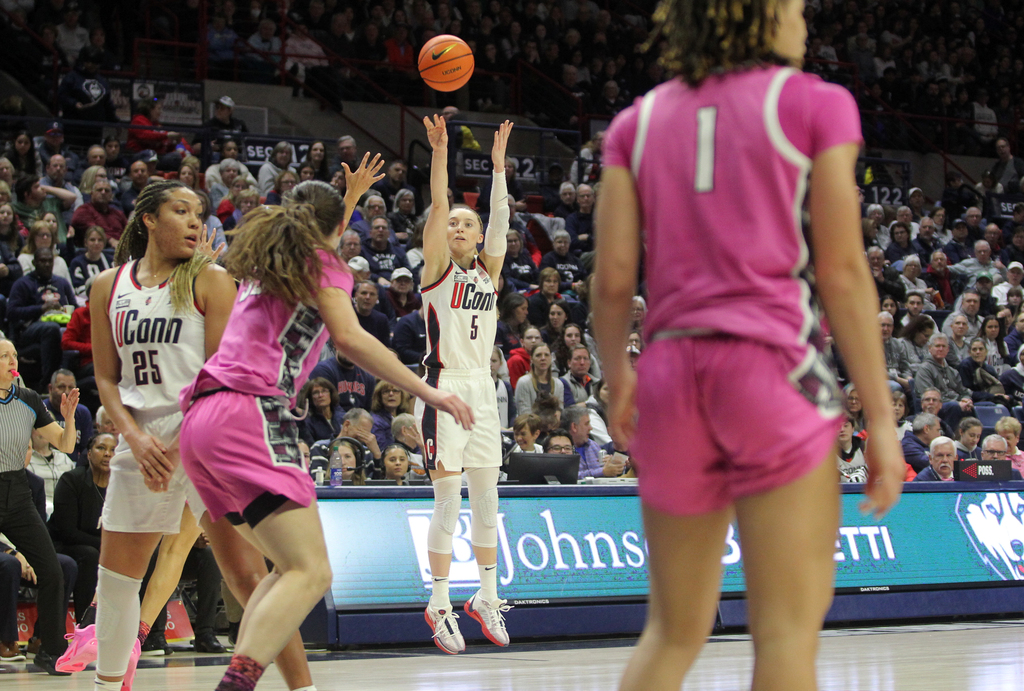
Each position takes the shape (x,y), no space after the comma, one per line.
(446,63)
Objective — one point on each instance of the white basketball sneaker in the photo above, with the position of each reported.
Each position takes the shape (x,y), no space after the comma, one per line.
(491,616)
(446,630)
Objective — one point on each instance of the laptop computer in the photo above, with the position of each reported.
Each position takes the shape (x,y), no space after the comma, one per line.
(971,471)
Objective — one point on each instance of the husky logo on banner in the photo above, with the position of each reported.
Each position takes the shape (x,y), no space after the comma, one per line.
(995,526)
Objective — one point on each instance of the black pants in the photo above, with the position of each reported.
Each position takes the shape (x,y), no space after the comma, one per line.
(202,567)
(42,341)
(88,560)
(20,522)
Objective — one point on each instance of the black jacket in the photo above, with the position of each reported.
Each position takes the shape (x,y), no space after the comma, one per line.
(77,507)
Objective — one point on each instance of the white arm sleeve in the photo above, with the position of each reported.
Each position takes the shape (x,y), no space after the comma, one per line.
(495,240)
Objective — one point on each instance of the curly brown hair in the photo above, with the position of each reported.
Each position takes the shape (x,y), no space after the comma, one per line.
(704,37)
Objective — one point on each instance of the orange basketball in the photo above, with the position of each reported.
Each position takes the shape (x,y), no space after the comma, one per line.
(446,63)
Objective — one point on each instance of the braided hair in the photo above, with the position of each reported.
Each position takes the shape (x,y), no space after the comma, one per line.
(135,239)
(704,37)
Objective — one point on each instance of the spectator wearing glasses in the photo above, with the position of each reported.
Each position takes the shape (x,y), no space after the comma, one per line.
(559,441)
(995,448)
(1009,429)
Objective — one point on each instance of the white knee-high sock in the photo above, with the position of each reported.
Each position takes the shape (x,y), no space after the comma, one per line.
(117,621)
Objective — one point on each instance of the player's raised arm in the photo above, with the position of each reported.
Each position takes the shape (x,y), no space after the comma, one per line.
(435,242)
(495,242)
(358,182)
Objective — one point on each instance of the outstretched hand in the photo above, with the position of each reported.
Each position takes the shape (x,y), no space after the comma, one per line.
(437,132)
(500,144)
(205,244)
(358,182)
(69,404)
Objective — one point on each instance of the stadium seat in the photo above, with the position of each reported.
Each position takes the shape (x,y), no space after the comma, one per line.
(938,316)
(470,198)
(989,413)
(534,204)
(1018,412)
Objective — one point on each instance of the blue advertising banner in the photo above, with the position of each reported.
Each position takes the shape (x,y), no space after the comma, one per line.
(564,548)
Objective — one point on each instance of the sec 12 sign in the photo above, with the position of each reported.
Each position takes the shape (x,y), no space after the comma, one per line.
(584,547)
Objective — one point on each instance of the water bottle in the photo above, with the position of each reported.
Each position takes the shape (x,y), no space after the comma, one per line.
(337,468)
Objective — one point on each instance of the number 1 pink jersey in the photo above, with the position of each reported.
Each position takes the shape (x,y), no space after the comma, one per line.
(722,174)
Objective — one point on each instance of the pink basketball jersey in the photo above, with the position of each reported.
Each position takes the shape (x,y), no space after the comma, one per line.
(721,175)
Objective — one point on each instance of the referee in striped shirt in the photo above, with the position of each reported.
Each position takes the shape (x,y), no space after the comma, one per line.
(21,411)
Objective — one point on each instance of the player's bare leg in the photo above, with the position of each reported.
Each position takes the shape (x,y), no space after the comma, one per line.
(680,616)
(170,560)
(243,568)
(788,538)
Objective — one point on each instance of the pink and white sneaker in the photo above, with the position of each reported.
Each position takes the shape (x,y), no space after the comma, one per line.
(133,661)
(491,616)
(81,650)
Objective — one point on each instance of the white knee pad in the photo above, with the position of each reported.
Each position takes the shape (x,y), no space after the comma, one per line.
(117,621)
(447,500)
(483,500)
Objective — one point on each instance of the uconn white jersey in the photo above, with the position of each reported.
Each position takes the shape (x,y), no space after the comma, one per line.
(161,350)
(461,318)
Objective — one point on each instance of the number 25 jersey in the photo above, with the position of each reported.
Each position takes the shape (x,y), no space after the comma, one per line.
(161,350)
(461,318)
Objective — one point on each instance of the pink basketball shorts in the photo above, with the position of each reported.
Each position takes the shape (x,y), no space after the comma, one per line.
(241,453)
(721,418)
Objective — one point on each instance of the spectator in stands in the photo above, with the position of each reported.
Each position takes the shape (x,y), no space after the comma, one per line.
(580,224)
(381,252)
(71,37)
(577,382)
(84,94)
(936,373)
(360,268)
(280,158)
(91,175)
(511,322)
(10,246)
(100,212)
(956,250)
(887,279)
(916,451)
(850,454)
(261,65)
(244,201)
(853,407)
(558,316)
(393,181)
(539,381)
(372,321)
(351,246)
(323,415)
(559,441)
(40,235)
(995,448)
(991,333)
(346,154)
(317,157)
(577,421)
(567,200)
(410,338)
(354,384)
(56,177)
(896,361)
(915,337)
(519,269)
(994,237)
(1015,338)
(388,401)
(189,171)
(144,134)
(1014,251)
(62,382)
(403,218)
(35,201)
(901,245)
(959,343)
(138,178)
(504,395)
(401,293)
(48,464)
(512,183)
(970,306)
(308,63)
(78,337)
(967,447)
(229,149)
(926,242)
(519,362)
(915,305)
(570,269)
(911,278)
(526,429)
(36,295)
(51,143)
(284,182)
(358,424)
(25,159)
(74,524)
(229,169)
(938,276)
(1009,429)
(374,206)
(116,164)
(223,119)
(396,464)
(942,452)
(1014,277)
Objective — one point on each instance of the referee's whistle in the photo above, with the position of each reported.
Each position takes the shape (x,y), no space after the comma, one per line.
(15,373)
